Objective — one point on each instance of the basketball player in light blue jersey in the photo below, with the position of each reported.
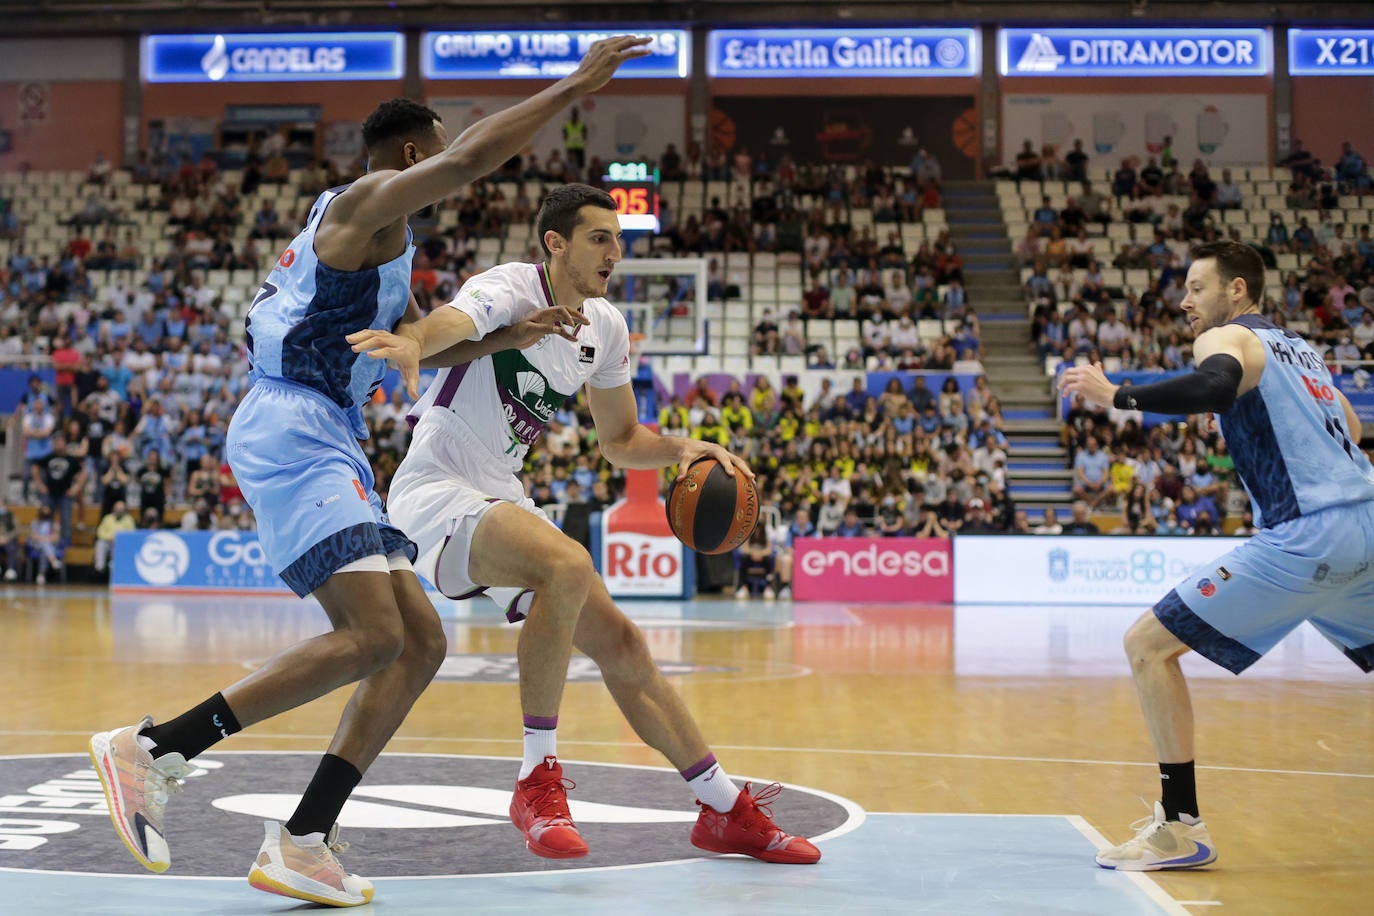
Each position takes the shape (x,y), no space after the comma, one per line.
(1295,441)
(293,448)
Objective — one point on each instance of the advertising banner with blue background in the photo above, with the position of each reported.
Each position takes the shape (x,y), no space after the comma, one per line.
(545,54)
(1199,51)
(1358,391)
(843,52)
(233,561)
(275,58)
(1331,52)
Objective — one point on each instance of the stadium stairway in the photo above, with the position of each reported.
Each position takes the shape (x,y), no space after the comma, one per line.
(1036,462)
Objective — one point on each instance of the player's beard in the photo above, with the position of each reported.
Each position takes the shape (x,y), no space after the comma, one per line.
(589,286)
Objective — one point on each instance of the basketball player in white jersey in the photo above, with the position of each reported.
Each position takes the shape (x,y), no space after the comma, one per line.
(1295,441)
(293,447)
(457,494)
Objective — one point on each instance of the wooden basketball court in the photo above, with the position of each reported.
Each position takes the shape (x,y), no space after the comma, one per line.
(913,710)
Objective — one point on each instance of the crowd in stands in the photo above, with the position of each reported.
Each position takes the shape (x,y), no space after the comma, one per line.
(149,369)
(1078,313)
(1179,478)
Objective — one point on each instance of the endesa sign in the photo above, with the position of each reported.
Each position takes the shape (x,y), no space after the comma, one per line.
(204,561)
(1062,569)
(1331,52)
(545,55)
(872,569)
(843,52)
(273,58)
(1134,52)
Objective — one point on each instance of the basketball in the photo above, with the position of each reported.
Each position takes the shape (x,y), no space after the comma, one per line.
(710,511)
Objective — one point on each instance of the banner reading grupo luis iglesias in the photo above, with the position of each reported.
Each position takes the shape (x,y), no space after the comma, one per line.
(273,58)
(545,54)
(842,52)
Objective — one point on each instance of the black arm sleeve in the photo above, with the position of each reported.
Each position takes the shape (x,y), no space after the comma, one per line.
(1211,389)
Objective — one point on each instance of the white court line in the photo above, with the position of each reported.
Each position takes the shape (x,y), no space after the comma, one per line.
(1200,903)
(755,748)
(1140,879)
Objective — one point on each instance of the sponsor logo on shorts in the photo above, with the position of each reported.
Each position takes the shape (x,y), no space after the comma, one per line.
(1224,573)
(586,354)
(1207,587)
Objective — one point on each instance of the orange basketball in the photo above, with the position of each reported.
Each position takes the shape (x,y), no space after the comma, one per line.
(710,511)
(965,133)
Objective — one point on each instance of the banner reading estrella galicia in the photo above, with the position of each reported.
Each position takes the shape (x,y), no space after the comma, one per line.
(843,52)
(1134,52)
(286,57)
(544,54)
(1078,570)
(1331,52)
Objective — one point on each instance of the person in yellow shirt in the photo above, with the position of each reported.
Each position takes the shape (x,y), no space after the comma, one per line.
(711,429)
(733,413)
(788,426)
(1121,473)
(674,406)
(118,520)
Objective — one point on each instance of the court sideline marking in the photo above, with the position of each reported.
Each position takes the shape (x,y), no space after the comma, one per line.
(1140,879)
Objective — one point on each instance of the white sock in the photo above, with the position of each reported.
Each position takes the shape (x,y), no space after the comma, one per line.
(541,740)
(712,785)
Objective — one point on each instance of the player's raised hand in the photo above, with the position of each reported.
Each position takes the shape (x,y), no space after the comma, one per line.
(401,351)
(1089,381)
(535,326)
(605,56)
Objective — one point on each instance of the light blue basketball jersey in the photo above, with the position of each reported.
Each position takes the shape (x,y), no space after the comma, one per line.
(296,326)
(1288,436)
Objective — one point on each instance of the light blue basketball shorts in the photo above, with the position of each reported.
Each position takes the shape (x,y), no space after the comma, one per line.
(1317,567)
(309,484)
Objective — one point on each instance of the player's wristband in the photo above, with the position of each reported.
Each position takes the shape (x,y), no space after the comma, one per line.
(1211,388)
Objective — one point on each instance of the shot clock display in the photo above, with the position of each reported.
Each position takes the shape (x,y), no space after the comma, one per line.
(634,187)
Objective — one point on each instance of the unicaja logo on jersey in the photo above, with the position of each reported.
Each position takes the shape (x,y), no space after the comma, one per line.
(530,384)
(162,559)
(215,63)
(1040,56)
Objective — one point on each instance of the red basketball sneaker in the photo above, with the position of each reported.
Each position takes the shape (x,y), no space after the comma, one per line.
(749,829)
(540,809)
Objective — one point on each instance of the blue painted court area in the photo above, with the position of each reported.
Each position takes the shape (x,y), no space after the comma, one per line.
(893,863)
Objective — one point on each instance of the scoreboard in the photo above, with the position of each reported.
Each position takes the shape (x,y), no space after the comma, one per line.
(634,188)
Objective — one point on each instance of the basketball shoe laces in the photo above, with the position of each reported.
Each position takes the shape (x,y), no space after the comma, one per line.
(1147,826)
(326,853)
(549,803)
(160,782)
(758,816)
